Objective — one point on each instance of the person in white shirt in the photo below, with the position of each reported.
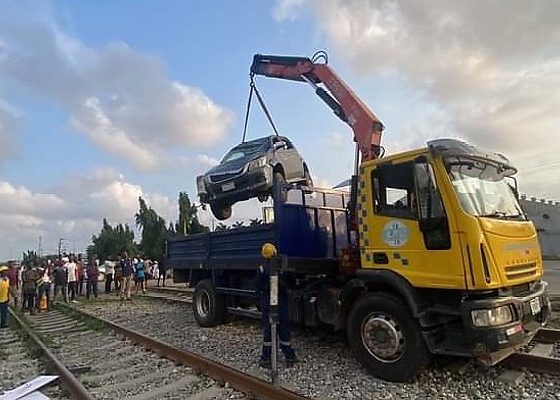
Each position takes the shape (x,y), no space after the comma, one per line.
(72,269)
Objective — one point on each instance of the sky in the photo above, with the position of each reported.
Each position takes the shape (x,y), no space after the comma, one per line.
(103,102)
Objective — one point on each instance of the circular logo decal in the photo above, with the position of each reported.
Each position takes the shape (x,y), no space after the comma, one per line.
(395,233)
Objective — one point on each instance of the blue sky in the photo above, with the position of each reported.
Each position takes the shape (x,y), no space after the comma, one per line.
(103,101)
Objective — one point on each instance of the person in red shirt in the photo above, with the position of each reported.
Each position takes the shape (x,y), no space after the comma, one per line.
(13,277)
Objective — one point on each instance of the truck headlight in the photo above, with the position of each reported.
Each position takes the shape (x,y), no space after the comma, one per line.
(492,316)
(258,163)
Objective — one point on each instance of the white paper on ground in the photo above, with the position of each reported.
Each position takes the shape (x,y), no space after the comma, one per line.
(29,387)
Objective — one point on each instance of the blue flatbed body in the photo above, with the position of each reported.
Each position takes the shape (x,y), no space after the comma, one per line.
(310,229)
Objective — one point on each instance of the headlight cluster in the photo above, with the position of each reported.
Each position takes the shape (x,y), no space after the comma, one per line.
(492,316)
(258,163)
(200,184)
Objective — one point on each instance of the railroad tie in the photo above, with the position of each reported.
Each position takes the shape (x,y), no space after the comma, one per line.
(187,380)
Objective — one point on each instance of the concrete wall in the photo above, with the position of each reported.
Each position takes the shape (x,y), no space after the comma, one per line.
(546,216)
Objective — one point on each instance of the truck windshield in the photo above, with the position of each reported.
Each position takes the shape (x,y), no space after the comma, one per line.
(482,189)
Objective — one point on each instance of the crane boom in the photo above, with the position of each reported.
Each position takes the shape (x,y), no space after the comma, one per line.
(338,96)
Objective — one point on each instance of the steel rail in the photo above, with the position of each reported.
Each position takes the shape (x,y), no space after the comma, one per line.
(75,388)
(250,385)
(548,335)
(547,365)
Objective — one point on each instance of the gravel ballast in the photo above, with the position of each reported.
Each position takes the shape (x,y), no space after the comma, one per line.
(327,369)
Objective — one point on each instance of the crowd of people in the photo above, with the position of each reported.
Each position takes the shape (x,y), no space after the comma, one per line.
(64,280)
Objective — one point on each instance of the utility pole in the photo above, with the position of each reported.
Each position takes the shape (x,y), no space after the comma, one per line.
(60,245)
(40,247)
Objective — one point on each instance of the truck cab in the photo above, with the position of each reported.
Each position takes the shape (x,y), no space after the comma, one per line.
(440,228)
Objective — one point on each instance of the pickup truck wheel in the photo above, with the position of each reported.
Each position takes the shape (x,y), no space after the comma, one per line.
(208,307)
(386,339)
(307,180)
(279,187)
(221,211)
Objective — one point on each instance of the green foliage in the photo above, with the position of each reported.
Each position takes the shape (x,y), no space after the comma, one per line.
(30,258)
(188,219)
(222,227)
(111,242)
(154,231)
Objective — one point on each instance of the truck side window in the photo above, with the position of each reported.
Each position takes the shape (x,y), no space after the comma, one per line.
(393,186)
(432,217)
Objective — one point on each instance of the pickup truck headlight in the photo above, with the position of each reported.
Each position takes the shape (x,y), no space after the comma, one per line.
(492,316)
(258,163)
(201,184)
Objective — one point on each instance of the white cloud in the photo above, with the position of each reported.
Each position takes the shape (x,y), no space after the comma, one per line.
(120,99)
(490,69)
(206,160)
(74,210)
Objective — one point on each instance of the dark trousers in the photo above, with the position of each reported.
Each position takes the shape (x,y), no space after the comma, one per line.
(91,287)
(80,283)
(72,286)
(108,282)
(118,283)
(161,276)
(4,314)
(30,300)
(63,289)
(284,334)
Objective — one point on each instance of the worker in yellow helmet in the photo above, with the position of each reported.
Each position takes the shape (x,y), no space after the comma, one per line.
(280,310)
(4,296)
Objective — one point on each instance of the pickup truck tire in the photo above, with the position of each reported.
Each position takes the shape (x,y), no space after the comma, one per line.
(386,339)
(279,187)
(221,211)
(209,308)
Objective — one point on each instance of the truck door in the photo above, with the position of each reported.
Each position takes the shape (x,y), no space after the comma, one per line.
(409,231)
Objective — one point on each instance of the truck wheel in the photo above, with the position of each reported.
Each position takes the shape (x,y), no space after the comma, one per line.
(386,339)
(208,307)
(221,211)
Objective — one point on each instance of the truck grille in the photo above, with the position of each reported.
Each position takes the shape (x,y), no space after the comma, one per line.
(521,270)
(222,177)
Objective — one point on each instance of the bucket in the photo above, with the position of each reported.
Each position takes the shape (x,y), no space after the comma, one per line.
(43,303)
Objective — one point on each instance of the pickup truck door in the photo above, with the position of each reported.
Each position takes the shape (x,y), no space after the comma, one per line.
(289,158)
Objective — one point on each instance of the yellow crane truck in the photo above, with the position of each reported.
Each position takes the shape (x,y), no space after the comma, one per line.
(430,254)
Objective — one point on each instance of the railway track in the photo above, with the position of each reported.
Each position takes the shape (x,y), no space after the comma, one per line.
(99,359)
(20,364)
(538,359)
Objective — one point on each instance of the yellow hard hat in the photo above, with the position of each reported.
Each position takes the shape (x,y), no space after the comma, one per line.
(3,268)
(268,250)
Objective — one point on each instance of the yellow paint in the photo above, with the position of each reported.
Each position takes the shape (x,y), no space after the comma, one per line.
(512,250)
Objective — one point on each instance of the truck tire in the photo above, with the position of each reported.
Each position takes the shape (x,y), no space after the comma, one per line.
(209,308)
(220,210)
(386,339)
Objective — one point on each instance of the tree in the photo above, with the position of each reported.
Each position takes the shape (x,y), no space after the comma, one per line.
(30,258)
(188,222)
(222,227)
(111,242)
(154,231)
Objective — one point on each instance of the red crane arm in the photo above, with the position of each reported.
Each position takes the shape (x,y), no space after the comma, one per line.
(339,97)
